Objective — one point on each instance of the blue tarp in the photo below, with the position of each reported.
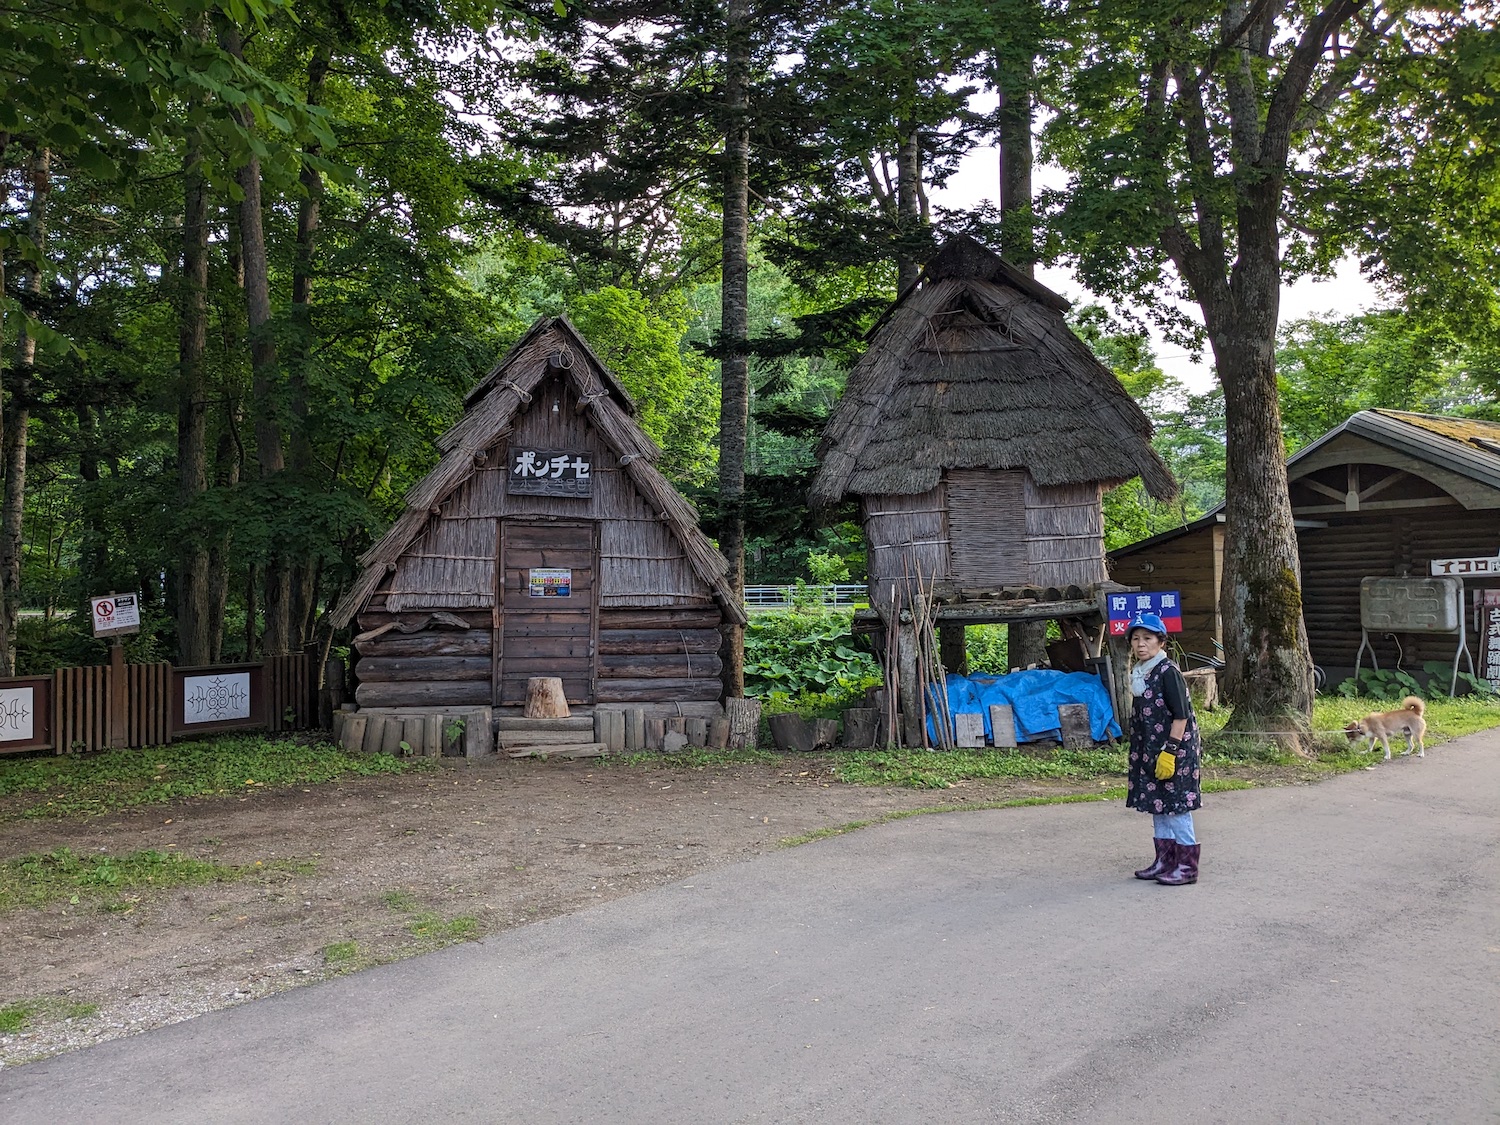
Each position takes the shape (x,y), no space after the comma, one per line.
(1034,697)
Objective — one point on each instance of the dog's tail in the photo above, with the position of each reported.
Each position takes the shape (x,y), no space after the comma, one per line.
(1412,703)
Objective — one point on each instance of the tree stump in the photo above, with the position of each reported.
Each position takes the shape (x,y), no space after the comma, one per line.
(792,733)
(545,698)
(744,722)
(860,727)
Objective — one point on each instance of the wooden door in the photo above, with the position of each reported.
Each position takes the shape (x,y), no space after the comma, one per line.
(548,608)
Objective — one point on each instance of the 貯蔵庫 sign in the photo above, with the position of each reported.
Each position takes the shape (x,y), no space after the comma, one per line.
(1123,608)
(551,582)
(550,472)
(115,614)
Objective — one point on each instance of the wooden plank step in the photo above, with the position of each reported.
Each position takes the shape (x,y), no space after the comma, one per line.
(561,750)
(543,737)
(576,723)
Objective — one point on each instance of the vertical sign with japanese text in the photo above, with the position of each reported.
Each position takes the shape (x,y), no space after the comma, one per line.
(1124,608)
(1490,608)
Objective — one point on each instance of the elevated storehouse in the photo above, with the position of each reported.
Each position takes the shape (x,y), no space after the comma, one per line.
(544,543)
(979,434)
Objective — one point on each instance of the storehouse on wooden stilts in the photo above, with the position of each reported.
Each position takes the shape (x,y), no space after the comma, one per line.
(978,433)
(544,543)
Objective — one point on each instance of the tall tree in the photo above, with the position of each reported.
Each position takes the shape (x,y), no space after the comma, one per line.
(1194,137)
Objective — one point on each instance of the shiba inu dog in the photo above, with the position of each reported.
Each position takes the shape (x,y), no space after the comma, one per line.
(1379,726)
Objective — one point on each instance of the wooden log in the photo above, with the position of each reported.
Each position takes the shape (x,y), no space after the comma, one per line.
(548,737)
(432,736)
(377,669)
(374,736)
(677,723)
(718,734)
(601,724)
(353,735)
(968,729)
(643,642)
(576,723)
(1073,718)
(860,726)
(791,733)
(664,690)
(656,731)
(744,722)
(475,642)
(616,739)
(825,734)
(390,742)
(612,618)
(693,666)
(635,728)
(455,731)
(444,693)
(336,727)
(697,732)
(559,750)
(545,698)
(478,739)
(1002,724)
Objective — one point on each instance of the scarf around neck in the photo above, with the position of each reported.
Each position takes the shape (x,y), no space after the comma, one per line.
(1139,673)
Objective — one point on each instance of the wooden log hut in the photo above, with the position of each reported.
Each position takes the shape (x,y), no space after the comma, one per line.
(1381,495)
(544,543)
(979,434)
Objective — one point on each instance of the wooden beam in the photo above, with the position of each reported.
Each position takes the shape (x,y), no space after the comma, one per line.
(1378,505)
(1320,487)
(1382,484)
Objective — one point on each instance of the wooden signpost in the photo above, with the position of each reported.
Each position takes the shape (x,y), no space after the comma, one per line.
(116,615)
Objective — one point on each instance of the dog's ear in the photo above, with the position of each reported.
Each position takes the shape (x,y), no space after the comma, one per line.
(1352,731)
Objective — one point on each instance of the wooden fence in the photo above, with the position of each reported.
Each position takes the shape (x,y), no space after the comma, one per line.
(132,705)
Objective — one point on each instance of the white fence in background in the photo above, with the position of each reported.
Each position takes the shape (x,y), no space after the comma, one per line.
(784,597)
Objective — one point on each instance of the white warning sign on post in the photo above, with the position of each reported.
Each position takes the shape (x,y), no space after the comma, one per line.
(115,614)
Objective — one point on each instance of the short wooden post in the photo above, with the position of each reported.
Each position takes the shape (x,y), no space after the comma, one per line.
(352,737)
(825,734)
(656,732)
(792,732)
(718,733)
(635,728)
(914,730)
(860,727)
(432,736)
(545,698)
(697,732)
(744,722)
(677,724)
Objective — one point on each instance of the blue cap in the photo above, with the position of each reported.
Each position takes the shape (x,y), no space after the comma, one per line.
(1149,621)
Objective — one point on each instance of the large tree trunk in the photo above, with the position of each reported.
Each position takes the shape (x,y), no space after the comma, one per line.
(303,576)
(193,617)
(276,640)
(734,405)
(908,204)
(1018,244)
(18,423)
(1267,676)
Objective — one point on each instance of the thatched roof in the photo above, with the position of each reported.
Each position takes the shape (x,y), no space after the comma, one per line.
(551,346)
(975,368)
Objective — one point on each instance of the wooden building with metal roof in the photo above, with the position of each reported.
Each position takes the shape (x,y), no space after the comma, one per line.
(1381,495)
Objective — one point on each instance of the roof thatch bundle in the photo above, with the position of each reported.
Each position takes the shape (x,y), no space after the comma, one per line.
(552,346)
(975,368)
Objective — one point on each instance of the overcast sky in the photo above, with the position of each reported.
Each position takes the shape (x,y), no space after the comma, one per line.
(1343,295)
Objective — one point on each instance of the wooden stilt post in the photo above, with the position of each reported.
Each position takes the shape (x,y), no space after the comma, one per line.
(913,730)
(118,735)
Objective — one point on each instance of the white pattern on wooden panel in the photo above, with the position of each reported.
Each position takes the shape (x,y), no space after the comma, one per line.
(17,714)
(212,699)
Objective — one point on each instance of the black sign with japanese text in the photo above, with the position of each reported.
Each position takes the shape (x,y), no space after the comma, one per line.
(550,472)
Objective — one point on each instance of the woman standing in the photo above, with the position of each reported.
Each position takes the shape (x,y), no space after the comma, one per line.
(1165,754)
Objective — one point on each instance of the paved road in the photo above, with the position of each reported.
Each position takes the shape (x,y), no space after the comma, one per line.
(1339,962)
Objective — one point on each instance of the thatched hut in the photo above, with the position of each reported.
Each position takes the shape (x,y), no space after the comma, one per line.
(544,542)
(978,434)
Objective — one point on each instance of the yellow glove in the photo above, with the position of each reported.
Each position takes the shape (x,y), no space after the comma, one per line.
(1166,765)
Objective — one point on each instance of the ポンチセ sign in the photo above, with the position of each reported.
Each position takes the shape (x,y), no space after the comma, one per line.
(115,614)
(1123,609)
(550,472)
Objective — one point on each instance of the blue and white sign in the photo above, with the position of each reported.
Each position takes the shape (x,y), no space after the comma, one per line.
(1123,609)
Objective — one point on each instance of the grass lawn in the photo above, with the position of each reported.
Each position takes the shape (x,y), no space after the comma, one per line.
(121,779)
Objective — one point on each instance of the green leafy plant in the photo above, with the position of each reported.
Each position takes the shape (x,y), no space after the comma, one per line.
(805,651)
(1384,684)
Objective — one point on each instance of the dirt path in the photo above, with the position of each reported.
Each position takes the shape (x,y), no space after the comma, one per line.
(394,866)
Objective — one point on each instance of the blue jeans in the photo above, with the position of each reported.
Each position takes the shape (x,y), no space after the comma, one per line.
(1174,826)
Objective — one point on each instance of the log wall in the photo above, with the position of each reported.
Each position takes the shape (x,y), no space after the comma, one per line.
(662,654)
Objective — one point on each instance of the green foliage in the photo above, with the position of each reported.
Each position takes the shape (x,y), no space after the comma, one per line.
(20,1014)
(805,651)
(1392,685)
(827,570)
(35,880)
(428,925)
(340,954)
(122,779)
(987,647)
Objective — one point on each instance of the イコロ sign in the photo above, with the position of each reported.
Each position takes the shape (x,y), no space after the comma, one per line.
(1123,608)
(115,614)
(1467,568)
